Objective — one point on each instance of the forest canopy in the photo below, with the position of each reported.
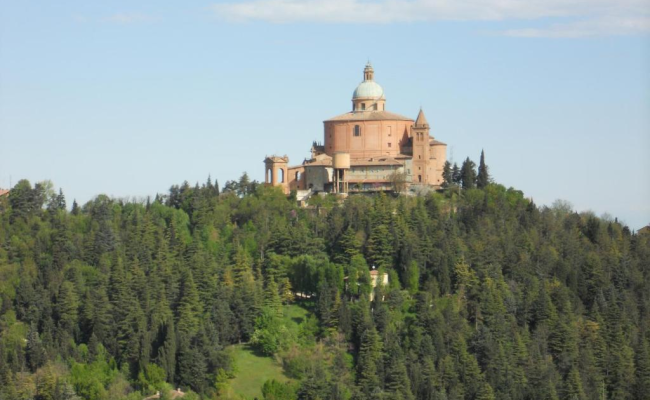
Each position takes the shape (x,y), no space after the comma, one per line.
(489,296)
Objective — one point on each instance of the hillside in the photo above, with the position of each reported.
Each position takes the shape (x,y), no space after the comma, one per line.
(489,297)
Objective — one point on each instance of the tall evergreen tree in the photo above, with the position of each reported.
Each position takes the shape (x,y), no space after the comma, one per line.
(189,308)
(447,174)
(468,174)
(483,177)
(456,176)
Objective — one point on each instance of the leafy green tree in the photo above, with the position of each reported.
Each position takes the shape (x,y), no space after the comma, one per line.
(274,390)
(270,335)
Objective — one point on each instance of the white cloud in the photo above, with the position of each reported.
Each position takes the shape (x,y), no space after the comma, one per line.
(595,16)
(587,28)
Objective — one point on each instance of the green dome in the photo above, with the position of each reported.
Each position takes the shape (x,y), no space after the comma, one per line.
(368,90)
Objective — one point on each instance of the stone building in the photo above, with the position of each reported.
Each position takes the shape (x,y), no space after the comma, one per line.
(366,149)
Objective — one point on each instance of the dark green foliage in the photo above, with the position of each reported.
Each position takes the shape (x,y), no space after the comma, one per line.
(483,177)
(447,174)
(274,390)
(456,177)
(468,174)
(490,296)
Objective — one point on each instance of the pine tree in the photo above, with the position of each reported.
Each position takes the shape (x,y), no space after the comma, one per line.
(573,386)
(75,207)
(483,177)
(369,355)
(485,392)
(286,291)
(68,307)
(380,249)
(272,298)
(348,245)
(243,186)
(189,308)
(35,351)
(468,174)
(447,174)
(456,176)
(642,369)
(397,380)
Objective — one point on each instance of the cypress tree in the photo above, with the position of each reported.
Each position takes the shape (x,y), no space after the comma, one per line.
(483,177)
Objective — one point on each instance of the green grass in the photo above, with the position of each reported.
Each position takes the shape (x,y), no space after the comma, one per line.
(293,316)
(253,369)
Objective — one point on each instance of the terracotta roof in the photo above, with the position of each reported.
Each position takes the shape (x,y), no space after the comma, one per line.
(421,119)
(370,116)
(437,143)
(3,192)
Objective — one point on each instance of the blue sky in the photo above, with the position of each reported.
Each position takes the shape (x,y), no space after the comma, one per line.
(127,98)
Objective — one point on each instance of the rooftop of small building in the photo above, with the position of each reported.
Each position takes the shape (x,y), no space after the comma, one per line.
(326,161)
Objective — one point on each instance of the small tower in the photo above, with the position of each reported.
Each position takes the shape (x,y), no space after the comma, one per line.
(420,135)
(369,95)
(368,72)
(276,172)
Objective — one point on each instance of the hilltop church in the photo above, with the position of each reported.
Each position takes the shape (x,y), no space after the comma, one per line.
(367,149)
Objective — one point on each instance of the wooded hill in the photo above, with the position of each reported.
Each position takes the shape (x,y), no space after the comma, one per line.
(489,296)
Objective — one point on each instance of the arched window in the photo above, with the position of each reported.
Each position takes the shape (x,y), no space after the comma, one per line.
(281,175)
(374,106)
(419,178)
(269,175)
(357,130)
(298,175)
(363,106)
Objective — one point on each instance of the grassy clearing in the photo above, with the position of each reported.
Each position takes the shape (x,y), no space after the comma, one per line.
(253,369)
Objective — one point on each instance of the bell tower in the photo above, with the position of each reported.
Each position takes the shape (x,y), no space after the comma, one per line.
(420,135)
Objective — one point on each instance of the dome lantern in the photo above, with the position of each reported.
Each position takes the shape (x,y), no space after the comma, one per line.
(369,95)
